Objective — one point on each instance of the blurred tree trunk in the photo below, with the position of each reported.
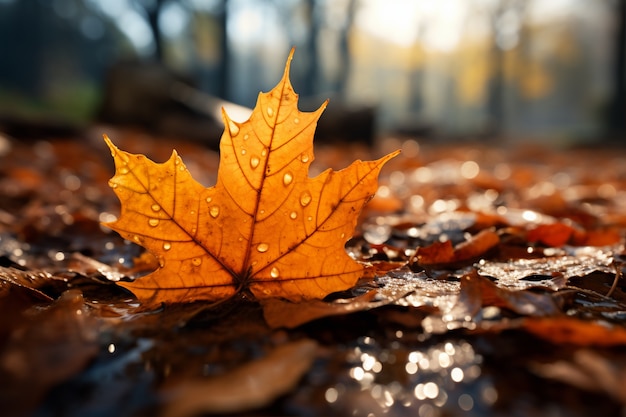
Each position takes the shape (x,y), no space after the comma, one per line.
(223,71)
(344,50)
(617,124)
(153,11)
(22,28)
(311,72)
(496,96)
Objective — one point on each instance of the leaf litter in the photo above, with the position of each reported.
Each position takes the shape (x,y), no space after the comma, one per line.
(410,338)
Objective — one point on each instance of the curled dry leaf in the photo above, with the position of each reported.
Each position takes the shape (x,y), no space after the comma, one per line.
(265,227)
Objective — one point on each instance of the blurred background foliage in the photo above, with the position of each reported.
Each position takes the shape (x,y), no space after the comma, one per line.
(449,68)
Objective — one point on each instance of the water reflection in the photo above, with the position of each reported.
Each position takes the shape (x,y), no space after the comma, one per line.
(409,378)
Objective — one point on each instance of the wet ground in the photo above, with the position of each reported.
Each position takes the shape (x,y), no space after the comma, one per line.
(521,313)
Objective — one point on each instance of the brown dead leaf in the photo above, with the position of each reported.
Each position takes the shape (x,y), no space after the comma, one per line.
(554,234)
(248,387)
(45,347)
(572,331)
(478,291)
(282,313)
(589,371)
(443,254)
(264,227)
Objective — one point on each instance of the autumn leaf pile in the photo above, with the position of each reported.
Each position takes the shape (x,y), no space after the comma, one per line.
(278,292)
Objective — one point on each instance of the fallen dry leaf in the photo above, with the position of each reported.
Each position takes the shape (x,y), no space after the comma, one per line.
(478,291)
(443,254)
(572,331)
(265,226)
(281,313)
(245,388)
(553,234)
(589,371)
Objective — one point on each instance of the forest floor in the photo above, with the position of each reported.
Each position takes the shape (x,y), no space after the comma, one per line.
(494,287)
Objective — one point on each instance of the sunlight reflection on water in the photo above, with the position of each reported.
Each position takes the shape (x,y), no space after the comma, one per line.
(405,379)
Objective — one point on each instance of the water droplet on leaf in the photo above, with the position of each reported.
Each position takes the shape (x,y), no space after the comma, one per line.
(270,111)
(196,261)
(293,215)
(153,222)
(214,211)
(167,246)
(305,199)
(234,129)
(262,247)
(254,162)
(155,207)
(287,178)
(274,273)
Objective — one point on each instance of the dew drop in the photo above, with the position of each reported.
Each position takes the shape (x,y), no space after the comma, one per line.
(343,235)
(293,215)
(181,167)
(196,261)
(264,152)
(254,162)
(296,120)
(214,211)
(309,218)
(243,151)
(304,158)
(136,239)
(167,246)
(209,199)
(274,273)
(161,263)
(246,136)
(112,184)
(153,222)
(234,129)
(123,170)
(270,111)
(155,207)
(287,178)
(305,199)
(262,247)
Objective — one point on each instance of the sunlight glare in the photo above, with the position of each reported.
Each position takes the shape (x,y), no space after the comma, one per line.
(402,22)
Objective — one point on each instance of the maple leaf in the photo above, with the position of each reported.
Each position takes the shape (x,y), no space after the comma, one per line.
(265,226)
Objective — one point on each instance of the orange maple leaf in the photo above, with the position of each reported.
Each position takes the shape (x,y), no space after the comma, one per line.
(265,227)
